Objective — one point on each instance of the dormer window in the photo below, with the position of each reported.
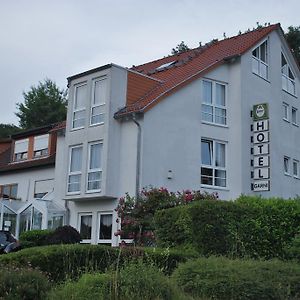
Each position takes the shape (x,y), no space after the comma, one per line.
(41,145)
(80,99)
(287,76)
(21,150)
(260,60)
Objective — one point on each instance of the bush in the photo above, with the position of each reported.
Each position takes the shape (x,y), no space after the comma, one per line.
(134,281)
(293,250)
(22,284)
(64,235)
(69,261)
(34,238)
(221,278)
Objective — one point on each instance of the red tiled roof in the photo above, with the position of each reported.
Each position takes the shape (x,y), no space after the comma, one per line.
(188,66)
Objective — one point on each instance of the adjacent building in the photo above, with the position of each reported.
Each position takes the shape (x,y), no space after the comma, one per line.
(223,118)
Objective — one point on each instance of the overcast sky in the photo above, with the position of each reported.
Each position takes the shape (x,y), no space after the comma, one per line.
(55,39)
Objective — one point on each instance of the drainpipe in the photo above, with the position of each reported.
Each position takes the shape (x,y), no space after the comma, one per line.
(68,212)
(138,156)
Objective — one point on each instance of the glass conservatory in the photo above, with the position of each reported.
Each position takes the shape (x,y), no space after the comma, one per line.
(41,213)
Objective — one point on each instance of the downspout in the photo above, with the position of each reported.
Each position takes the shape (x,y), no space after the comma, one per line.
(138,156)
(68,212)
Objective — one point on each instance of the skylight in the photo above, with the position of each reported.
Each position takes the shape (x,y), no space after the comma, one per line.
(161,67)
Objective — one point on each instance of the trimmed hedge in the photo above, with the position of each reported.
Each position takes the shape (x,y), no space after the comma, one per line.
(34,238)
(249,227)
(24,284)
(222,278)
(69,261)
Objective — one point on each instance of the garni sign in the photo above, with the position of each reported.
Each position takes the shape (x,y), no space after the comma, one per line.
(261,148)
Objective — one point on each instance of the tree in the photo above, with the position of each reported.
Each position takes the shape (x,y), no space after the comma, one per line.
(180,48)
(293,39)
(8,129)
(44,104)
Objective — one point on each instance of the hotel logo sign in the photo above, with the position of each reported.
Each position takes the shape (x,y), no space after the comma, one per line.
(261,148)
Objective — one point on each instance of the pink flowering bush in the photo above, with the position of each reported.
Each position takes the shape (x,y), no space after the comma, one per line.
(136,216)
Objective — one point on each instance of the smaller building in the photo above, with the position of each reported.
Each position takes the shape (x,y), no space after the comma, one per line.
(27,198)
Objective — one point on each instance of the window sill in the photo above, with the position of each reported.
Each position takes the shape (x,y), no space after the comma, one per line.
(97,124)
(73,193)
(287,174)
(295,96)
(212,187)
(265,79)
(295,124)
(215,124)
(92,191)
(286,120)
(77,128)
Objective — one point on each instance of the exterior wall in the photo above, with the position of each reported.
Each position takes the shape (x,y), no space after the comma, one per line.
(26,180)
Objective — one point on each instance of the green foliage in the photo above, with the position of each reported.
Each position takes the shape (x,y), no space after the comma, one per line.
(89,286)
(24,284)
(43,105)
(137,215)
(69,261)
(222,278)
(6,130)
(63,235)
(293,39)
(293,250)
(34,238)
(180,48)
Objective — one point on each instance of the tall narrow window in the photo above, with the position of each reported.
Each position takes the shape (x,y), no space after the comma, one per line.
(287,76)
(105,228)
(74,178)
(285,108)
(21,149)
(260,60)
(286,165)
(296,168)
(80,99)
(214,102)
(94,174)
(294,116)
(85,227)
(213,166)
(98,102)
(41,145)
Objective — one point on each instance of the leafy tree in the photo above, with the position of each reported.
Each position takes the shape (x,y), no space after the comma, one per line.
(44,104)
(293,39)
(180,48)
(8,129)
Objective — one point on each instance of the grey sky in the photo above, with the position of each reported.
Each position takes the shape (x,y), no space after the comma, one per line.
(59,38)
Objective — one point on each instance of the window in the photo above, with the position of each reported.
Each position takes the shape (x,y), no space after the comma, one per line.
(294,116)
(21,149)
(260,60)
(94,174)
(285,112)
(85,227)
(41,145)
(214,102)
(286,165)
(9,191)
(43,187)
(288,78)
(79,106)
(213,170)
(296,168)
(98,102)
(74,177)
(105,228)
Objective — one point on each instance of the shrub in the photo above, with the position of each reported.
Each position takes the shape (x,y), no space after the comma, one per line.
(69,261)
(34,238)
(293,250)
(221,278)
(64,235)
(22,284)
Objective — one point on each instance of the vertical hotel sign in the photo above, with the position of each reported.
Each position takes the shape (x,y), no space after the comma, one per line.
(261,148)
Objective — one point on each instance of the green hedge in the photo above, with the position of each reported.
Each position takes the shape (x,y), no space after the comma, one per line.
(69,261)
(24,284)
(250,226)
(222,278)
(34,238)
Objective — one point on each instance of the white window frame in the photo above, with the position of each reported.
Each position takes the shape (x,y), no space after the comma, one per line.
(214,104)
(41,152)
(294,122)
(74,172)
(296,162)
(213,166)
(260,61)
(288,170)
(23,155)
(96,105)
(80,109)
(286,108)
(104,241)
(84,214)
(285,78)
(93,170)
